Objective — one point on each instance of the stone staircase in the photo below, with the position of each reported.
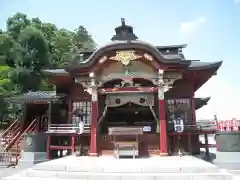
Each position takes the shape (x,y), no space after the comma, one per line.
(94,168)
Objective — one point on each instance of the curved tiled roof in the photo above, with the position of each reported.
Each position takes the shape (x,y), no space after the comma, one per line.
(200,102)
(38,95)
(49,95)
(125,44)
(199,65)
(195,65)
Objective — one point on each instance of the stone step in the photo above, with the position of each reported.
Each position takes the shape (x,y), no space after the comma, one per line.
(37,178)
(154,168)
(61,175)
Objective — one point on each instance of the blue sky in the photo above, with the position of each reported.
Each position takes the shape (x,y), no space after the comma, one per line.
(209,27)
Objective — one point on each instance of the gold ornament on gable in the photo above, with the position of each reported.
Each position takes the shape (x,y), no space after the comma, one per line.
(125,57)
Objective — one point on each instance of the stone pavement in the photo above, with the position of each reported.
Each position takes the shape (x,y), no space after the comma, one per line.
(236,174)
(4,172)
(153,168)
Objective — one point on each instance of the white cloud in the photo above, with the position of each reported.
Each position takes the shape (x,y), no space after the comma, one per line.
(190,26)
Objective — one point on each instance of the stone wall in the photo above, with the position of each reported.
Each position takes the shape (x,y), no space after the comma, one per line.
(228,154)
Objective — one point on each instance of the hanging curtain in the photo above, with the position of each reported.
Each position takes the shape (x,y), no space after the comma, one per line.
(138,99)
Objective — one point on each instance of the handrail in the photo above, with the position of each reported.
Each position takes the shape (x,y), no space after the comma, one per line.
(11,142)
(11,126)
(18,154)
(15,128)
(33,123)
(17,137)
(10,139)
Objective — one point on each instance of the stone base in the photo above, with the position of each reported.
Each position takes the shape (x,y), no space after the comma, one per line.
(228,160)
(28,159)
(95,168)
(163,154)
(93,154)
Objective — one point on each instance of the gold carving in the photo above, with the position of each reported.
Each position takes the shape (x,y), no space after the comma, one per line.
(102,59)
(148,57)
(125,57)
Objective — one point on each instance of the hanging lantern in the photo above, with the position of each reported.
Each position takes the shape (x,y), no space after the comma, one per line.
(58,153)
(178,125)
(65,152)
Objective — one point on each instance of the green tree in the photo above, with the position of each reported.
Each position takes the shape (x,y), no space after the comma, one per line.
(30,45)
(7,89)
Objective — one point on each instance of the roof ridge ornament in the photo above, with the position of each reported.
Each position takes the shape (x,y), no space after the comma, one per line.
(123,21)
(124,32)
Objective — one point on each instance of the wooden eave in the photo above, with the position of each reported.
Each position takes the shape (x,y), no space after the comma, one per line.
(200,102)
(201,74)
(126,45)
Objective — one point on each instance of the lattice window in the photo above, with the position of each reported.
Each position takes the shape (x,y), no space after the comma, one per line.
(86,106)
(179,107)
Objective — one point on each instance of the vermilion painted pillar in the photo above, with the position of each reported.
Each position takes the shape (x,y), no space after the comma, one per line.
(94,115)
(162,115)
(163,128)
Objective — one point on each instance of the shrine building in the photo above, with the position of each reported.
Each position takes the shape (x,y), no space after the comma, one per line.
(132,95)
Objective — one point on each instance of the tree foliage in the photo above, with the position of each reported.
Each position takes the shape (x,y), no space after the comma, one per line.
(29,45)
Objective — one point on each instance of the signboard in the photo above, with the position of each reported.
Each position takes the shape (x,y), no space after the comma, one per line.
(147,129)
(178,125)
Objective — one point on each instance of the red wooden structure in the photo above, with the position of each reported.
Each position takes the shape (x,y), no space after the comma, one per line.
(127,83)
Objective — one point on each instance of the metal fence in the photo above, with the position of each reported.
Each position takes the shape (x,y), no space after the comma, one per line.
(7,159)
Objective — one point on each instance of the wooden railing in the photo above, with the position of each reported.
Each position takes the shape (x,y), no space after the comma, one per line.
(10,131)
(6,159)
(191,126)
(19,135)
(66,128)
(30,128)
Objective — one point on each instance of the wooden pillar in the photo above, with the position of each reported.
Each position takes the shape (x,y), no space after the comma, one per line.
(206,144)
(73,138)
(94,115)
(23,118)
(48,146)
(70,109)
(162,116)
(190,143)
(49,114)
(193,109)
(163,128)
